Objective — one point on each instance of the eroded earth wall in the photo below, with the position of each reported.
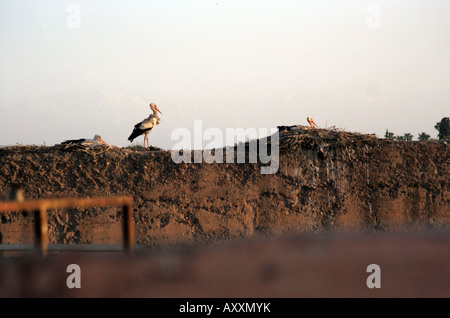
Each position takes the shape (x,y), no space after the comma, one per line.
(329,182)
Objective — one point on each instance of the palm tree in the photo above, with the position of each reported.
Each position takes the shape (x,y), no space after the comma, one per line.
(400,138)
(424,136)
(389,135)
(438,128)
(408,136)
(443,127)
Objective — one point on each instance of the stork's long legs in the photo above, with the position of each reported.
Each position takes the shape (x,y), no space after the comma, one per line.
(146,139)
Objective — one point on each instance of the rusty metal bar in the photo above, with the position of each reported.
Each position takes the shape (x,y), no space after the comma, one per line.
(128,227)
(41,231)
(33,205)
(41,206)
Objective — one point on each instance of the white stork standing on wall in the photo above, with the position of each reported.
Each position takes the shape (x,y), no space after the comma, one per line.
(145,126)
(311,122)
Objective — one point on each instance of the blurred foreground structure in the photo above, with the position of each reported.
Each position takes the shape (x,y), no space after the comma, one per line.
(40,208)
(412,265)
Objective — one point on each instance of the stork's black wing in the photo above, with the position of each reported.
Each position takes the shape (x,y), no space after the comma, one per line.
(74,141)
(137,132)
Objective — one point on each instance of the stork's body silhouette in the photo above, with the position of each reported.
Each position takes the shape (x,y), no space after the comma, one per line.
(86,142)
(145,126)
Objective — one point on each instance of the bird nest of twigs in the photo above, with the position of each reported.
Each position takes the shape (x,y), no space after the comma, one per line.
(303,137)
(90,149)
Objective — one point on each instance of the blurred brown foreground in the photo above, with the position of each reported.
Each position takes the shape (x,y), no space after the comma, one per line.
(411,265)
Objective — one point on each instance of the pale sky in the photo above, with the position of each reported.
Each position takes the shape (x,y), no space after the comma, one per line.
(72,71)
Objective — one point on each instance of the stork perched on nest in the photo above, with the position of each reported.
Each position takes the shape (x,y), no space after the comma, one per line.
(86,142)
(311,122)
(145,126)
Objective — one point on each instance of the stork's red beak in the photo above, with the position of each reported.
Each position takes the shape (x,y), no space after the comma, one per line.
(156,107)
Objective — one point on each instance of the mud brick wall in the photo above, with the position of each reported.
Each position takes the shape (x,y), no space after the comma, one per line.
(335,182)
